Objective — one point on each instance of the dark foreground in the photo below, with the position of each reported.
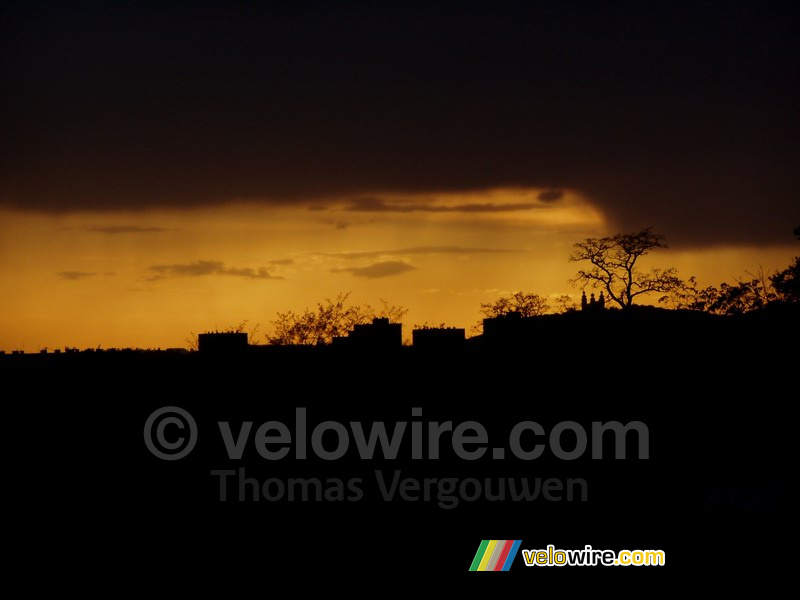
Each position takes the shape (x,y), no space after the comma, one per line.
(99,510)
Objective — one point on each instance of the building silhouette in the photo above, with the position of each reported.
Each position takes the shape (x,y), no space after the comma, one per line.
(378,335)
(593,305)
(438,338)
(221,343)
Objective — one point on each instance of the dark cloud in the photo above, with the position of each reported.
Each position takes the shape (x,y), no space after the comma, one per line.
(551,195)
(207,267)
(377,205)
(376,270)
(680,115)
(75,275)
(282,261)
(419,250)
(115,229)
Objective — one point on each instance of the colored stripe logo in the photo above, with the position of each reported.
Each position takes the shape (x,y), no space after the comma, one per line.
(495,555)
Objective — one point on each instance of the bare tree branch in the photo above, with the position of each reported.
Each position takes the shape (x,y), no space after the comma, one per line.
(614,266)
(330,319)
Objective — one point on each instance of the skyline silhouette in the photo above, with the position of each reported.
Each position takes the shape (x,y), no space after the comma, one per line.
(615,271)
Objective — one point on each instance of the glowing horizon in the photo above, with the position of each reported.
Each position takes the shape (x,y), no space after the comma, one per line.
(151,278)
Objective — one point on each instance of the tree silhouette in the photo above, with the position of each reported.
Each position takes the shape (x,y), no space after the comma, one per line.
(743,296)
(330,319)
(526,304)
(565,303)
(614,266)
(787,282)
(728,299)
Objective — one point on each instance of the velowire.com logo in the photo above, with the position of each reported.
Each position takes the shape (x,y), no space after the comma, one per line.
(495,555)
(498,555)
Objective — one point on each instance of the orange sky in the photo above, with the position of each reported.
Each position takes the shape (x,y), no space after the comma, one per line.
(149,279)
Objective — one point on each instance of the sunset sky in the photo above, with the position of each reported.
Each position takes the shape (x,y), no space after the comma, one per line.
(168,168)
